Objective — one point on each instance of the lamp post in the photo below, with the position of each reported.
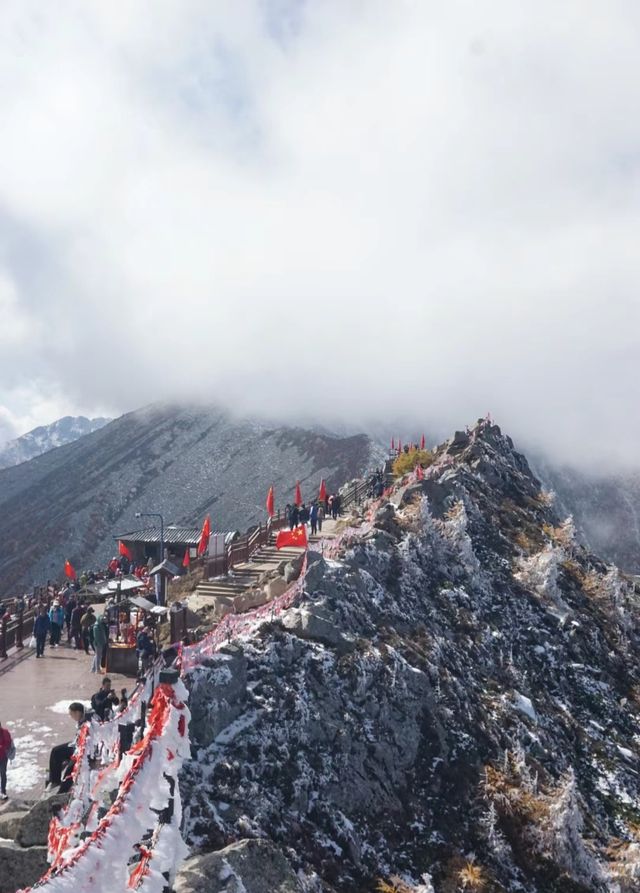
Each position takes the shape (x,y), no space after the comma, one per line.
(155,515)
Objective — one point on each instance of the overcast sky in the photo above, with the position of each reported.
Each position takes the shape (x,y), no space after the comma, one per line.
(339,209)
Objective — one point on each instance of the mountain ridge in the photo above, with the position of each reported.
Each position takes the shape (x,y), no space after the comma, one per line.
(48,437)
(453,704)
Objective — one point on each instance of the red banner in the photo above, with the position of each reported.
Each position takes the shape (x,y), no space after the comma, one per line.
(296,537)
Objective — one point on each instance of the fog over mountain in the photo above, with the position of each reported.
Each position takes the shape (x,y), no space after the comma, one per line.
(348,210)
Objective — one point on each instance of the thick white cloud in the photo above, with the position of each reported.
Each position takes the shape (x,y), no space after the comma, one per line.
(340,209)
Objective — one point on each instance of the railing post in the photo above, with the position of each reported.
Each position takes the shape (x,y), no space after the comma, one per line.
(3,638)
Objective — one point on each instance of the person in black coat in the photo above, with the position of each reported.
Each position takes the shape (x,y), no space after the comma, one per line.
(105,701)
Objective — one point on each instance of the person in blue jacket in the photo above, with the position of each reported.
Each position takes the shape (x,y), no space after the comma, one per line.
(56,616)
(41,627)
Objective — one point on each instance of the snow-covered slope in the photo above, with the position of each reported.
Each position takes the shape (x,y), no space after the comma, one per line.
(47,437)
(457,696)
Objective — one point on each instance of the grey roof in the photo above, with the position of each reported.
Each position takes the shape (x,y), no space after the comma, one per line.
(173,535)
(165,567)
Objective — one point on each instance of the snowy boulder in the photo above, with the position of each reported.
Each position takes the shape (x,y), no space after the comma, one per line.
(275,588)
(21,867)
(313,622)
(10,823)
(524,705)
(34,827)
(316,572)
(385,514)
(293,568)
(249,866)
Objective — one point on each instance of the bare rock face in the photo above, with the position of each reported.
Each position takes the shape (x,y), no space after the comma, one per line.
(34,827)
(21,867)
(250,866)
(10,823)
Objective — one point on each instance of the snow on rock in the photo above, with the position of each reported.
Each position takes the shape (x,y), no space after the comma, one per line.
(524,705)
(414,752)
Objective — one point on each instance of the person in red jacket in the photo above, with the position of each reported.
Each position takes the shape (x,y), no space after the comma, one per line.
(6,749)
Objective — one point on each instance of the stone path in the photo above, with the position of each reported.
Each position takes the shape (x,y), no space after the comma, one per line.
(34,697)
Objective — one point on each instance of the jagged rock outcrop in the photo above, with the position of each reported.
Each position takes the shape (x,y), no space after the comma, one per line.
(250,866)
(481,729)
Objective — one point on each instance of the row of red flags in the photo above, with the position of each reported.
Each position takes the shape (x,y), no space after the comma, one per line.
(414,446)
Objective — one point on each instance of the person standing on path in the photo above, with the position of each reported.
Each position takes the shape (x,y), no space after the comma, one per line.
(320,516)
(41,627)
(86,625)
(100,639)
(294,517)
(76,629)
(56,617)
(6,753)
(68,611)
(313,518)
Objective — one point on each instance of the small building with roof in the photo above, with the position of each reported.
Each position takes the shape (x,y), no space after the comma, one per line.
(144,544)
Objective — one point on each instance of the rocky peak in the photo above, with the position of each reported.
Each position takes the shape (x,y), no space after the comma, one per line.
(455,702)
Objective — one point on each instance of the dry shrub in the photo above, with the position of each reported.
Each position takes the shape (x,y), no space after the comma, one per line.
(395,884)
(472,877)
(406,462)
(524,542)
(511,799)
(573,569)
(561,535)
(463,874)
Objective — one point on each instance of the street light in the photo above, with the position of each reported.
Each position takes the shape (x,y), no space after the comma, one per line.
(155,515)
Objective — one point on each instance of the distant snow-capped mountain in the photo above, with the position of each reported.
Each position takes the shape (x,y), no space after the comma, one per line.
(47,437)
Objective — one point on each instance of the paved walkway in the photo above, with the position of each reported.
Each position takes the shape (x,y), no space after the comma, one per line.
(34,698)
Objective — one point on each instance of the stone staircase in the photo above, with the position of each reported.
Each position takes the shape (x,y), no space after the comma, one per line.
(250,574)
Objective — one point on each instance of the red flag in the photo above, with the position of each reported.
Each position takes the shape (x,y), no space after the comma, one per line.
(203,543)
(322,495)
(393,444)
(270,502)
(419,473)
(123,549)
(422,442)
(295,537)
(69,570)
(186,561)
(298,499)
